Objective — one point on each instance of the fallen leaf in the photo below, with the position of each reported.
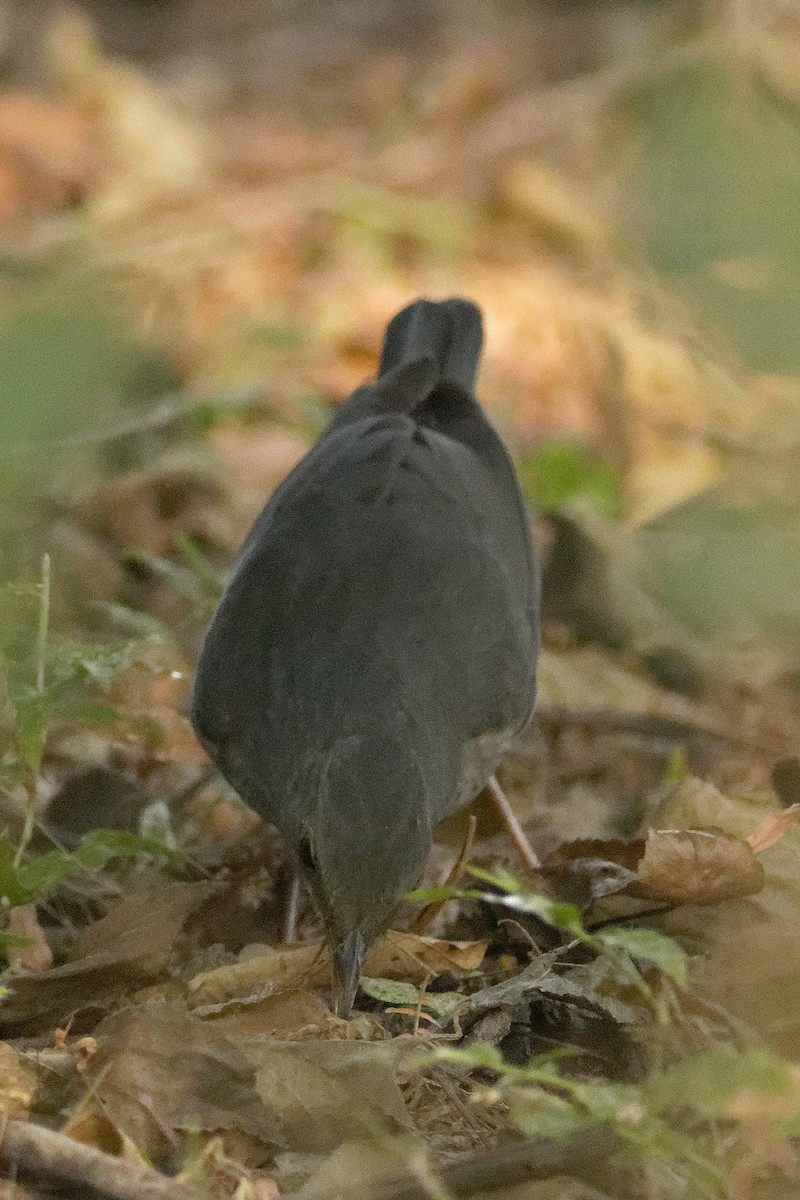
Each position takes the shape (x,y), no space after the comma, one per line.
(411,957)
(772,828)
(161,1073)
(321,1092)
(141,930)
(696,866)
(17,1085)
(394,956)
(751,955)
(256,978)
(539,979)
(36,956)
(129,945)
(397,993)
(676,866)
(227,1177)
(281,1016)
(361,1164)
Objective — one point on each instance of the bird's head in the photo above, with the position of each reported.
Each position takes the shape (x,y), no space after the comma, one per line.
(361,848)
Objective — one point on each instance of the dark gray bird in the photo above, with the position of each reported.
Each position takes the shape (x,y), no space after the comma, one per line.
(374,652)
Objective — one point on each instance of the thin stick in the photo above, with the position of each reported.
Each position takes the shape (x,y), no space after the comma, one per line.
(580,1156)
(29,1152)
(516,832)
(42,630)
(292,909)
(43,623)
(431,911)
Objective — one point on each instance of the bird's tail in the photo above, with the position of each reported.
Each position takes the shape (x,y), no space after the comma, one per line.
(449,331)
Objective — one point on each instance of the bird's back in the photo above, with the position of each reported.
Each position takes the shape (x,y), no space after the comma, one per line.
(388,593)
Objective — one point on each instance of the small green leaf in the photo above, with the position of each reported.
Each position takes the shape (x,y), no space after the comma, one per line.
(398,994)
(435,895)
(553,912)
(541,1114)
(499,878)
(30,712)
(481,1055)
(646,945)
(32,878)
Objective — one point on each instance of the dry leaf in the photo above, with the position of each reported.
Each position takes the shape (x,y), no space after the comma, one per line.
(160,1073)
(359,1165)
(695,866)
(281,1015)
(91,1127)
(751,960)
(140,931)
(394,956)
(773,827)
(36,956)
(320,1092)
(17,1085)
(227,1177)
(408,956)
(130,944)
(255,978)
(677,866)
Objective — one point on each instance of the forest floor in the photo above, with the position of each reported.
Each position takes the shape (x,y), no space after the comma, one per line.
(190,282)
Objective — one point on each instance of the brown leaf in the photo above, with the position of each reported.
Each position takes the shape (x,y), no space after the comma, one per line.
(751,963)
(773,827)
(321,1092)
(281,1015)
(140,931)
(258,977)
(160,1073)
(130,944)
(359,1164)
(35,956)
(394,956)
(677,866)
(17,1085)
(695,866)
(408,956)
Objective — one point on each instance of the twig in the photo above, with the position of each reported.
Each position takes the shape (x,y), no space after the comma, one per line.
(515,830)
(646,725)
(30,1152)
(292,909)
(431,911)
(581,1156)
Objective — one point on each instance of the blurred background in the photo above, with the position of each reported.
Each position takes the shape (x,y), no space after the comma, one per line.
(208,211)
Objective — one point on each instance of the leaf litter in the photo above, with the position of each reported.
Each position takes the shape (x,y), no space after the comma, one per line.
(643,983)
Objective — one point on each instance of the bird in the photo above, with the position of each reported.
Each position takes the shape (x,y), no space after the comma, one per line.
(373,654)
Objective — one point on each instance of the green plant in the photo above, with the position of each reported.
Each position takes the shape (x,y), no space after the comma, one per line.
(716,1112)
(622,947)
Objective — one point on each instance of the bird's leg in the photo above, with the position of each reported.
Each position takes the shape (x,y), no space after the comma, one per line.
(292,908)
(506,813)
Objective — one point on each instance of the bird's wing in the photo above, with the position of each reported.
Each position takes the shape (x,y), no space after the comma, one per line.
(376,578)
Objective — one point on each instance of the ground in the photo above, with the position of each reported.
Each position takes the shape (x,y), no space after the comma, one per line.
(206,219)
